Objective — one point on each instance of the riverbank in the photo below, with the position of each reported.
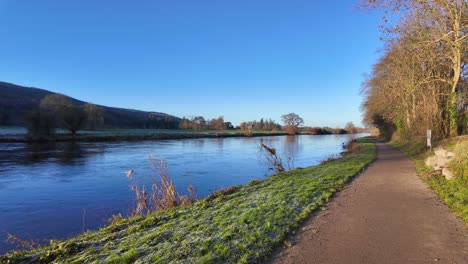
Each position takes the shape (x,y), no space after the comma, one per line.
(136,135)
(242,225)
(145,134)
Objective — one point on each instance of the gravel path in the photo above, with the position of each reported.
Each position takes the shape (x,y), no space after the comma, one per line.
(386,215)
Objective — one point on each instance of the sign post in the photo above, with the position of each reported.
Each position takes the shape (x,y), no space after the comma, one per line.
(429,139)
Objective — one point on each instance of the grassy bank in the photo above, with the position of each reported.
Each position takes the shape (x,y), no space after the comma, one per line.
(240,225)
(453,192)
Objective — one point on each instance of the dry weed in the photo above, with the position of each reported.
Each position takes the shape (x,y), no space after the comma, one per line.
(163,194)
(21,243)
(351,146)
(273,161)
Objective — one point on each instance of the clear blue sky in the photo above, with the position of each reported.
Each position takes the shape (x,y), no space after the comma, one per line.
(243,59)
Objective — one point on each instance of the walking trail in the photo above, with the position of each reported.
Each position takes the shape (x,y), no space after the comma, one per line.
(386,215)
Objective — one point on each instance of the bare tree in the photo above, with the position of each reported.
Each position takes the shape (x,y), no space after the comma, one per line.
(291,122)
(198,123)
(69,116)
(40,123)
(351,128)
(418,83)
(217,123)
(94,116)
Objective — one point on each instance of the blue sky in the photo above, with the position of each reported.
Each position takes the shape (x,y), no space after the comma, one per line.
(242,59)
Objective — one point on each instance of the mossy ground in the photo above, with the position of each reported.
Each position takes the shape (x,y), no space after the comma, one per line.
(453,192)
(243,225)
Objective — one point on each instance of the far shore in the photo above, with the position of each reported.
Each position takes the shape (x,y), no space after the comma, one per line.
(139,134)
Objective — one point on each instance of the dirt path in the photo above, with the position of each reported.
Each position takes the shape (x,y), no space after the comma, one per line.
(386,215)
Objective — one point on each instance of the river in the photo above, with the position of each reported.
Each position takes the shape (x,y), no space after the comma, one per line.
(57,190)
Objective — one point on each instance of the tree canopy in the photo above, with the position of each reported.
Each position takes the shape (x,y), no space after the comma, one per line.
(292,119)
(420,82)
(291,122)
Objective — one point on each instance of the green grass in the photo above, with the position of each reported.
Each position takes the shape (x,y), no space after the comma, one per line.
(453,192)
(240,226)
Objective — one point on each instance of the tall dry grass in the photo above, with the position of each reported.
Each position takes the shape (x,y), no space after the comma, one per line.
(163,193)
(272,159)
(351,146)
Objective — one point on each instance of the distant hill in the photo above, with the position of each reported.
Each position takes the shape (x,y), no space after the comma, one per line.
(17,101)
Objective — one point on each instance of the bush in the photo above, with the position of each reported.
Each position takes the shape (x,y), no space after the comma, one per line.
(291,130)
(352,146)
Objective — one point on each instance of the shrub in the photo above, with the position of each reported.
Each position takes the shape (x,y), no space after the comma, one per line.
(352,146)
(291,130)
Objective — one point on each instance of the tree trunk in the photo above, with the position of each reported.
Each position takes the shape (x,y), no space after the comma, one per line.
(453,99)
(453,115)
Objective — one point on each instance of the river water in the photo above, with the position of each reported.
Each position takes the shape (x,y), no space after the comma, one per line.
(57,190)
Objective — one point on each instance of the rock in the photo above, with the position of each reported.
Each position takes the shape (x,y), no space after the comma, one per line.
(440,152)
(447,173)
(437,162)
(440,160)
(430,161)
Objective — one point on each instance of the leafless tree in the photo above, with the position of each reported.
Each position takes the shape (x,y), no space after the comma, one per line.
(70,116)
(291,122)
(94,116)
(418,83)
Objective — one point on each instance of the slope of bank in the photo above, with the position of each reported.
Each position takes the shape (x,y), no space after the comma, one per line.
(242,224)
(386,215)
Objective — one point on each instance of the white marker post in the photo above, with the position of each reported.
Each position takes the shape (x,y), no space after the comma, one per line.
(429,139)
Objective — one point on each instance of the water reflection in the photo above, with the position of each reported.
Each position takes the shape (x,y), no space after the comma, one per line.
(194,143)
(287,148)
(219,142)
(66,153)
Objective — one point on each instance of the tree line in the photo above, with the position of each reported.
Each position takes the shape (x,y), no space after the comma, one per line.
(420,82)
(59,111)
(262,125)
(200,123)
